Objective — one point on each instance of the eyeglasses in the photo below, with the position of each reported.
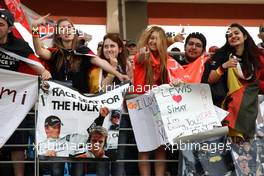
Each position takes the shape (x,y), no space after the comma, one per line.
(261,29)
(197,45)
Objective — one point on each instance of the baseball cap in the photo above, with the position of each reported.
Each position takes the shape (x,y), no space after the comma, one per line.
(130,43)
(115,113)
(7,16)
(52,121)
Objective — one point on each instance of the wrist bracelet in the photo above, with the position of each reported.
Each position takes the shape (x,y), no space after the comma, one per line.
(110,75)
(222,68)
(219,71)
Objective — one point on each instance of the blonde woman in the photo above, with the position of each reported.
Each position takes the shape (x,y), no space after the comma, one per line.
(152,69)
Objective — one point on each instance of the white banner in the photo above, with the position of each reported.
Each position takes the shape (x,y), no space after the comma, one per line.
(168,113)
(186,110)
(146,122)
(7,59)
(18,94)
(76,115)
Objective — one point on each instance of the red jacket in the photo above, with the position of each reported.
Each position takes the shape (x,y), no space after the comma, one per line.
(261,74)
(140,86)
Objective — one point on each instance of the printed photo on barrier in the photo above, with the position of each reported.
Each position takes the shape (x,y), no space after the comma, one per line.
(245,158)
(211,157)
(260,117)
(74,125)
(248,155)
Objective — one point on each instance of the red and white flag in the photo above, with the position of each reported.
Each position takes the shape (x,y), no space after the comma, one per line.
(21,30)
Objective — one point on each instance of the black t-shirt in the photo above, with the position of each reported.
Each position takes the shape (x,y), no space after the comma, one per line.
(17,46)
(77,79)
(218,59)
(219,89)
(114,127)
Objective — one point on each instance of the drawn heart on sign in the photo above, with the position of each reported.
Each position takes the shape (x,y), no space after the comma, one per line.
(177,98)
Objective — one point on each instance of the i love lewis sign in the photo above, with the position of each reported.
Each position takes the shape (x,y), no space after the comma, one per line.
(169,113)
(186,110)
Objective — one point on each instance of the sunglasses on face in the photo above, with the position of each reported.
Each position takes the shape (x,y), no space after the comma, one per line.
(197,45)
(115,117)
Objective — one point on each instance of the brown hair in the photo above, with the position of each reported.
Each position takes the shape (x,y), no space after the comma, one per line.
(121,58)
(61,54)
(99,130)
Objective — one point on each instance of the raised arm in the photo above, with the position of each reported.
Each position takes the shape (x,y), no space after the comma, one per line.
(177,38)
(107,67)
(39,48)
(215,75)
(104,111)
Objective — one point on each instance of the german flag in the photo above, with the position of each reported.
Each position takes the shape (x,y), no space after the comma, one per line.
(242,104)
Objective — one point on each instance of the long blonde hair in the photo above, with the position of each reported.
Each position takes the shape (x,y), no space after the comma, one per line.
(60,54)
(162,53)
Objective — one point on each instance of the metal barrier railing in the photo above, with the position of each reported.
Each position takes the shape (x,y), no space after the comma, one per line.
(36,161)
